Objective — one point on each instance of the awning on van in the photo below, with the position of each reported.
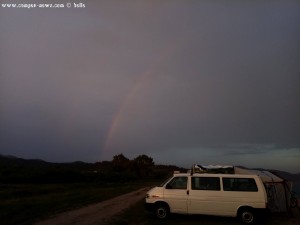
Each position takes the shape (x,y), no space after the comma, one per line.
(265,176)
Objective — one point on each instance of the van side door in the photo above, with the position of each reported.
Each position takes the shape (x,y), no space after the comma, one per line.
(204,196)
(176,195)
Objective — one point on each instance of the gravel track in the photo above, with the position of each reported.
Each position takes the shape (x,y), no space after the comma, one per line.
(96,214)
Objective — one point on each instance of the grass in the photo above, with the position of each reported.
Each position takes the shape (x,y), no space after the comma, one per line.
(23,204)
(136,215)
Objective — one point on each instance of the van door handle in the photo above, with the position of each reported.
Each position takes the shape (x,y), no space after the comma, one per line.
(187,192)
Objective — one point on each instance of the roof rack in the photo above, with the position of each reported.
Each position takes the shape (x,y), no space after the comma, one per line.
(212,169)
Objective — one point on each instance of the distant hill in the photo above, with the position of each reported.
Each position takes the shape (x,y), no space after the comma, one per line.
(12,161)
(15,170)
(8,160)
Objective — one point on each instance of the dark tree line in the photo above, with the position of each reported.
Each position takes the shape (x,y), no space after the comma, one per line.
(119,169)
(141,165)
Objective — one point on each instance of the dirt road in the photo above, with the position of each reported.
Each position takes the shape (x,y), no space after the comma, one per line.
(96,214)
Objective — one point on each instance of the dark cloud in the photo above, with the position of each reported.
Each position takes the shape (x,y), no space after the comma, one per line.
(187,79)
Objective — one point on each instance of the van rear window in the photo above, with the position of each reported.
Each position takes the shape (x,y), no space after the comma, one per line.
(239,184)
(206,183)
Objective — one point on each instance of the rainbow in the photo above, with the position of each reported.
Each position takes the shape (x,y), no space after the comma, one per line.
(142,81)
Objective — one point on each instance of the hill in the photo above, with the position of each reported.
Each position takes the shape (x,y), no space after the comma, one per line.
(18,170)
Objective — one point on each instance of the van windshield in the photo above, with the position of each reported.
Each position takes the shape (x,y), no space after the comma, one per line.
(166,181)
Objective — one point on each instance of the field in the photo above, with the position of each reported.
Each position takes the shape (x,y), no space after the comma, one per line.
(23,204)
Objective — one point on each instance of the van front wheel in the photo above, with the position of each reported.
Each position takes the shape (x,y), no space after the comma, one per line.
(247,216)
(162,211)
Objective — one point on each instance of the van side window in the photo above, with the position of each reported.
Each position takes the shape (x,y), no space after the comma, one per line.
(206,183)
(239,184)
(177,183)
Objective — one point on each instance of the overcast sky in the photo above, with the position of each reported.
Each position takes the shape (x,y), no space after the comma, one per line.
(208,82)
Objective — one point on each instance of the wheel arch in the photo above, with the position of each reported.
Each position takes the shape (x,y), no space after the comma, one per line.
(162,203)
(244,207)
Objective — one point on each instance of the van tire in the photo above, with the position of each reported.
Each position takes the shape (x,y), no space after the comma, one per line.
(247,215)
(161,210)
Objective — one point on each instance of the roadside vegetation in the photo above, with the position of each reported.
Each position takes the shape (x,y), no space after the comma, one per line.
(33,189)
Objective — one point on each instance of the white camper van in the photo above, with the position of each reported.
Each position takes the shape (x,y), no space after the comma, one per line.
(232,195)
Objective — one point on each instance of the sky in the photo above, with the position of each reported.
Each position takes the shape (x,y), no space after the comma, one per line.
(184,82)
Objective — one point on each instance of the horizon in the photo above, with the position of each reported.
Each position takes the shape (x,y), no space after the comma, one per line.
(181,81)
(157,164)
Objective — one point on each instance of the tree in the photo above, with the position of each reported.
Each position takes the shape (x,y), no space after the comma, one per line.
(143,165)
(120,162)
